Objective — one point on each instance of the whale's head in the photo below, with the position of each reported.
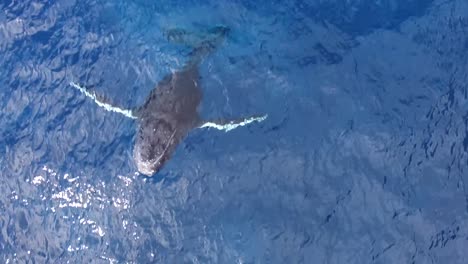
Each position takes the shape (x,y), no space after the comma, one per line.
(155,141)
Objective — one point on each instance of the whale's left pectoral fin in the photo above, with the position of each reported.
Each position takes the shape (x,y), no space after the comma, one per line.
(102,102)
(232,124)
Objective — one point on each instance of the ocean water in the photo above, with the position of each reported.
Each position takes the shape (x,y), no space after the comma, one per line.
(363,157)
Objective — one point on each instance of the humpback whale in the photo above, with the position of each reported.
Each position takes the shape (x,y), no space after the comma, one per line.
(170,111)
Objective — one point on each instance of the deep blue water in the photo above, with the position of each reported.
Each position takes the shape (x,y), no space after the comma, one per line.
(363,158)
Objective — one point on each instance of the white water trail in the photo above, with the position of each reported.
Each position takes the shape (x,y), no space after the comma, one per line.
(233,125)
(108,107)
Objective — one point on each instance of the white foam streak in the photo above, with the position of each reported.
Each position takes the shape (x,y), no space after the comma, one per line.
(233,125)
(106,106)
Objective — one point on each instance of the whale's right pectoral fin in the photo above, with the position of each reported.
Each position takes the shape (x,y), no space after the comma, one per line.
(102,103)
(233,124)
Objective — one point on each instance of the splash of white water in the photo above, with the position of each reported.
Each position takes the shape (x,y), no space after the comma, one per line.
(233,125)
(108,107)
(128,113)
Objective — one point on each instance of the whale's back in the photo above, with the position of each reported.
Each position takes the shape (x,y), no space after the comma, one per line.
(166,117)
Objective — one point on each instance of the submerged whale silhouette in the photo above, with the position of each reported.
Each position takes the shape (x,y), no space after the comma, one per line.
(170,111)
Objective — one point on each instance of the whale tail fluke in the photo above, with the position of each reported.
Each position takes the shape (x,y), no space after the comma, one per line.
(203,42)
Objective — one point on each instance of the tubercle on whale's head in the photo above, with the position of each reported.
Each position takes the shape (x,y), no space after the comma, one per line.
(146,168)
